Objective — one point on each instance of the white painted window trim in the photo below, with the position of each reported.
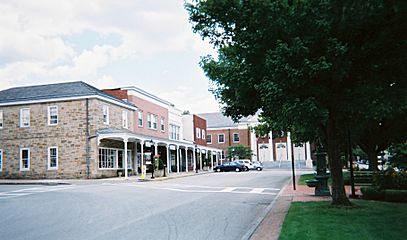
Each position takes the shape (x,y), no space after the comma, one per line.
(125,123)
(223,138)
(22,110)
(140,117)
(116,167)
(152,119)
(1,119)
(198,133)
(162,124)
(203,134)
(209,138)
(1,160)
(49,158)
(21,159)
(49,116)
(238,135)
(105,111)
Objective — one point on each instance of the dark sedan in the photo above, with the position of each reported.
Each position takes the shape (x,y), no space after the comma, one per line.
(230,166)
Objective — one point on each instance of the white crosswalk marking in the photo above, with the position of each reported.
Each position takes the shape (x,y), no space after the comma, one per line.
(257,190)
(30,191)
(228,189)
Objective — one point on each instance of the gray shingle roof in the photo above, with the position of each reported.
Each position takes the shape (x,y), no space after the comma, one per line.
(50,91)
(218,120)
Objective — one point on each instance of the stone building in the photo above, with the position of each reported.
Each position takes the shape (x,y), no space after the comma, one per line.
(49,131)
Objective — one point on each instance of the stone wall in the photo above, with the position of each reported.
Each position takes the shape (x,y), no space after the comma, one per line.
(69,136)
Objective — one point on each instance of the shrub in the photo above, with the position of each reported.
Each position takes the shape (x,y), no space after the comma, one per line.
(390,179)
(372,193)
(392,195)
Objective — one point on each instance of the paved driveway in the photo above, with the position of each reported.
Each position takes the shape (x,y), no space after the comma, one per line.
(211,206)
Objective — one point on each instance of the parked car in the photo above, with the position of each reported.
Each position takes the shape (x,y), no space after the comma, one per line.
(230,166)
(256,165)
(247,163)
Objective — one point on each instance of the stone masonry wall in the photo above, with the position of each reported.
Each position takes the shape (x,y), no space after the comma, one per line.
(69,136)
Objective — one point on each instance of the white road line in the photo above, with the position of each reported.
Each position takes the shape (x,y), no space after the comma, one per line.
(257,190)
(228,189)
(30,191)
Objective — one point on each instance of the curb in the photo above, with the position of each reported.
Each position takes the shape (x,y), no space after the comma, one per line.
(35,183)
(261,218)
(172,177)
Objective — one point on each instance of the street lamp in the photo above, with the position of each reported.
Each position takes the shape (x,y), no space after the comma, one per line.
(196,169)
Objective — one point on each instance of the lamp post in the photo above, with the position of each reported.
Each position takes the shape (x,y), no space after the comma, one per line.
(196,167)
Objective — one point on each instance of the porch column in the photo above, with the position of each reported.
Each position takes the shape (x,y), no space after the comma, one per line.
(194,158)
(143,174)
(271,146)
(253,145)
(289,147)
(168,159)
(308,162)
(200,160)
(211,160)
(186,159)
(155,149)
(135,171)
(125,159)
(178,153)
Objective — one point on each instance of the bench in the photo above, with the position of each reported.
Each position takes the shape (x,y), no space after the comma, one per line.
(361,178)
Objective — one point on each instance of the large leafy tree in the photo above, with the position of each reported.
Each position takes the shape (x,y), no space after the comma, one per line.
(317,68)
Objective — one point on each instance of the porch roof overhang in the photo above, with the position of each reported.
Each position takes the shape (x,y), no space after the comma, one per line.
(127,135)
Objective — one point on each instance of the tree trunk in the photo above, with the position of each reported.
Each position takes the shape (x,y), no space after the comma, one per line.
(372,155)
(339,197)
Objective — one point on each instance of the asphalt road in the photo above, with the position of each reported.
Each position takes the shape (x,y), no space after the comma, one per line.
(210,206)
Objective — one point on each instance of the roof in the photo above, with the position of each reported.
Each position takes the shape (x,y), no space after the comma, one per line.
(218,120)
(55,91)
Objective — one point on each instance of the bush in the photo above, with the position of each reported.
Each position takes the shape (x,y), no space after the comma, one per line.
(372,193)
(392,195)
(390,179)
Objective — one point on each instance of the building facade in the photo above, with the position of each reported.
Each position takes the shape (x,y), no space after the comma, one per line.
(222,133)
(74,130)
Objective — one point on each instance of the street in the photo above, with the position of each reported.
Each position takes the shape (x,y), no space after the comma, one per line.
(209,206)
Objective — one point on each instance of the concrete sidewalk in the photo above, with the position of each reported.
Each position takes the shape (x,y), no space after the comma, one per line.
(136,178)
(270,227)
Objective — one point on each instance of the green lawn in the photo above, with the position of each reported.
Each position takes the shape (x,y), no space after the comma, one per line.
(371,220)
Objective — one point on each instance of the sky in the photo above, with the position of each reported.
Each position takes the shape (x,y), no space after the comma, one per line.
(108,44)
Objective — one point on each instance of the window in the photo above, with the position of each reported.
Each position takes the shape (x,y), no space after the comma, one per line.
(203,134)
(209,139)
(124,120)
(236,137)
(152,121)
(198,132)
(174,132)
(52,158)
(24,159)
(24,117)
(1,160)
(1,119)
(105,115)
(52,115)
(107,158)
(221,138)
(162,124)
(140,119)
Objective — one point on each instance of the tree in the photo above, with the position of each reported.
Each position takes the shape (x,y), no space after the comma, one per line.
(239,151)
(314,68)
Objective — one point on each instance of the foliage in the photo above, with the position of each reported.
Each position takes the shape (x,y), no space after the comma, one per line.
(239,151)
(372,193)
(392,195)
(390,179)
(370,220)
(399,155)
(314,68)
